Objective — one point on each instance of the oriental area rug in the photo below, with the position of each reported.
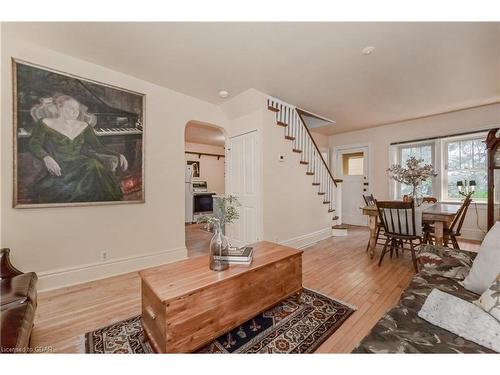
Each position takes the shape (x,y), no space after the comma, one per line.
(288,327)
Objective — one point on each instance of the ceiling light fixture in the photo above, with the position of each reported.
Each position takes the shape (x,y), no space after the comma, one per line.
(368,50)
(223,94)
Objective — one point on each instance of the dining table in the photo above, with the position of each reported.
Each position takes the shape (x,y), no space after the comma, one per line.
(438,214)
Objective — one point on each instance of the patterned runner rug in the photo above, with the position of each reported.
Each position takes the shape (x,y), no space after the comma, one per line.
(288,327)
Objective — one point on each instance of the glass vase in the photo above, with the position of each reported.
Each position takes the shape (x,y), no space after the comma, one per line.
(218,247)
(219,210)
(417,196)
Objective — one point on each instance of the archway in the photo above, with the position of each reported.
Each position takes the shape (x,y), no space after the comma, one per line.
(205,176)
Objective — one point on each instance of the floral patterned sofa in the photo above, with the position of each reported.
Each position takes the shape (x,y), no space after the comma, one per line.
(401,331)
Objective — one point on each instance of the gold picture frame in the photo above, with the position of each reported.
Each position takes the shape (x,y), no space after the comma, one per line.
(110,166)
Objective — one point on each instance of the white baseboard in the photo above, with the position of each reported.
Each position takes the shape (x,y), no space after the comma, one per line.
(339,232)
(308,239)
(472,234)
(59,278)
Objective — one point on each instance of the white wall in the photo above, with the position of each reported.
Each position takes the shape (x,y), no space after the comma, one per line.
(452,123)
(211,168)
(292,212)
(1,140)
(323,141)
(63,245)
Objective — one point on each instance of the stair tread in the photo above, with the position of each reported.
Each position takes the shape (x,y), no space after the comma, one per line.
(311,164)
(339,226)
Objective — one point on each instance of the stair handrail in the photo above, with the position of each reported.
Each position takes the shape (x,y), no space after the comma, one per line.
(299,112)
(272,101)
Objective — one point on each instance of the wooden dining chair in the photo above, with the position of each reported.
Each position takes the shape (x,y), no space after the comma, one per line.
(370,201)
(427,200)
(398,219)
(453,232)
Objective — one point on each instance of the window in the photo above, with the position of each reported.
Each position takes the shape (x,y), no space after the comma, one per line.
(455,158)
(465,159)
(352,164)
(423,151)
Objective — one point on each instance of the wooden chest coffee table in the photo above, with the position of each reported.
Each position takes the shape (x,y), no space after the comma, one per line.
(185,305)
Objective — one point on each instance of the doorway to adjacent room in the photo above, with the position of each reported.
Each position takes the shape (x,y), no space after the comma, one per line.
(353,165)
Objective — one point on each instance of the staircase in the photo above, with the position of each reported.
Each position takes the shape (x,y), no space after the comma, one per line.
(295,130)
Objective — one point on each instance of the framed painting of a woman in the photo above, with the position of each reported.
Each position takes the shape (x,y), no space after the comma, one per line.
(76,141)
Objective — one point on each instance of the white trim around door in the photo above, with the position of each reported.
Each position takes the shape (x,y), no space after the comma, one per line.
(337,151)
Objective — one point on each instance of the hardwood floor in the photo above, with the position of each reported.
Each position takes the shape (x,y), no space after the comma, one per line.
(337,267)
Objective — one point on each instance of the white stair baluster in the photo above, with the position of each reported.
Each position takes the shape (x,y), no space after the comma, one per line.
(287,121)
(306,153)
(326,185)
(332,192)
(302,142)
(295,129)
(313,163)
(311,158)
(323,188)
(307,158)
(329,193)
(327,197)
(322,183)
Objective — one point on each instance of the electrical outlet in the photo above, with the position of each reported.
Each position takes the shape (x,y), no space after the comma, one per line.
(104,255)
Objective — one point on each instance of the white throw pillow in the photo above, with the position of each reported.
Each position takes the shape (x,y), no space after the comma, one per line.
(490,300)
(486,266)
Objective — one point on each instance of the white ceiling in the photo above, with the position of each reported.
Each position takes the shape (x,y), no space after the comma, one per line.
(417,69)
(197,132)
(315,123)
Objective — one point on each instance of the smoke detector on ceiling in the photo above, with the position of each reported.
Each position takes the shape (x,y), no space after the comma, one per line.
(368,50)
(223,94)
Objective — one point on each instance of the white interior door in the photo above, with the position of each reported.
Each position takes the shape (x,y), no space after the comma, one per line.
(244,182)
(354,166)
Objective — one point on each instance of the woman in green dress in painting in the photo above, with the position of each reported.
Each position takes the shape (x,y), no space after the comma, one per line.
(73,156)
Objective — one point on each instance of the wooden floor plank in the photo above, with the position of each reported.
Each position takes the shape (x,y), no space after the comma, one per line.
(337,267)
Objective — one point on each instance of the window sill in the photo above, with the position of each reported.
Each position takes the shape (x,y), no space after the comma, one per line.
(459,202)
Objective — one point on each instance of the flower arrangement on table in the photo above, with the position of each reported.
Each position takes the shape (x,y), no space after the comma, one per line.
(226,213)
(413,174)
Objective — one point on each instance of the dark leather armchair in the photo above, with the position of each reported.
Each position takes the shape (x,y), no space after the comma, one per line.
(17,306)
